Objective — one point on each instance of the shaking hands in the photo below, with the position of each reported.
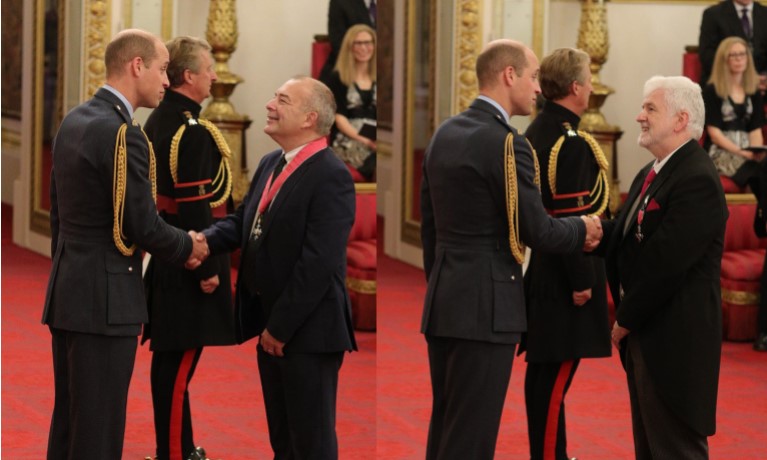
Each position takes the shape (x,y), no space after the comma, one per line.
(593,232)
(200,250)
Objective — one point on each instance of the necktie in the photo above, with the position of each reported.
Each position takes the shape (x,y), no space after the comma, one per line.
(745,22)
(278,169)
(647,180)
(372,10)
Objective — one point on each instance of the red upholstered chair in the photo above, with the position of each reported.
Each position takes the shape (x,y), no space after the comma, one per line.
(361,259)
(741,269)
(320,52)
(691,63)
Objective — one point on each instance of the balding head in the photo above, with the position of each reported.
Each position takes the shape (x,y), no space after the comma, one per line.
(126,46)
(497,56)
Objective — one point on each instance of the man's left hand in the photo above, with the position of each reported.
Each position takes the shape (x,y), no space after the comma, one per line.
(618,333)
(271,345)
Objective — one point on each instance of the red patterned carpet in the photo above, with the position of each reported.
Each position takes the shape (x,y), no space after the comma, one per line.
(226,398)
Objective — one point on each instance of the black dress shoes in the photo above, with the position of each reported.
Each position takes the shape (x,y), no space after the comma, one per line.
(761,342)
(198,454)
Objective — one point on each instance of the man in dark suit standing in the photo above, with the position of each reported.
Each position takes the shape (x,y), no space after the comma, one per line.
(102,216)
(293,227)
(566,294)
(663,260)
(189,309)
(342,14)
(479,202)
(742,18)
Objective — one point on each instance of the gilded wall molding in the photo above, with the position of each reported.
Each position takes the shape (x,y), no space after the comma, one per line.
(468,46)
(10,137)
(97,33)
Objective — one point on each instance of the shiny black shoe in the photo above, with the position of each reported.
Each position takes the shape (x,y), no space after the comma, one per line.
(198,454)
(761,342)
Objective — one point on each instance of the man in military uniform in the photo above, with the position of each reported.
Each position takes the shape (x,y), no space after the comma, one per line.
(566,293)
(188,309)
(102,212)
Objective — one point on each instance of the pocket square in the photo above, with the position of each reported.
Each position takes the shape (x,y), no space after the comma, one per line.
(653,205)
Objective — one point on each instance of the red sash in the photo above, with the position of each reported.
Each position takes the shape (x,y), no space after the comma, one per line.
(272,188)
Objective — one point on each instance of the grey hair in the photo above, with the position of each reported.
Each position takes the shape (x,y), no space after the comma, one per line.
(322,101)
(681,95)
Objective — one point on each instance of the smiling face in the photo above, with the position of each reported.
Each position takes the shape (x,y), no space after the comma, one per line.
(363,47)
(657,124)
(286,116)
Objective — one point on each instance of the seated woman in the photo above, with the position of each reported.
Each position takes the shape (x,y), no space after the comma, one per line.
(353,83)
(734,114)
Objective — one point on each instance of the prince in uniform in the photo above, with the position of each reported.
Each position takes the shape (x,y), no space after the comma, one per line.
(188,309)
(566,294)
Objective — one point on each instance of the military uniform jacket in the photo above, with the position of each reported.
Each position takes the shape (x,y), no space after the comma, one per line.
(666,286)
(182,316)
(475,288)
(558,330)
(300,260)
(93,287)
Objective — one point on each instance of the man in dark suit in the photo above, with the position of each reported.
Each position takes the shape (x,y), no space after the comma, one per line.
(663,260)
(188,309)
(726,19)
(342,14)
(293,227)
(566,294)
(474,219)
(102,215)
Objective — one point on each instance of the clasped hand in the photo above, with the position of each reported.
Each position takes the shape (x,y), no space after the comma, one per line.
(593,232)
(200,250)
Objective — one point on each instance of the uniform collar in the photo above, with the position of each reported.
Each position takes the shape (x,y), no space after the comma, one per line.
(184,102)
(563,112)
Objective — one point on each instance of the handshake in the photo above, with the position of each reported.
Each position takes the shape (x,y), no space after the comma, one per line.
(593,232)
(200,250)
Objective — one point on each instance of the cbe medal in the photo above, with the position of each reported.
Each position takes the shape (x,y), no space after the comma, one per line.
(640,216)
(256,234)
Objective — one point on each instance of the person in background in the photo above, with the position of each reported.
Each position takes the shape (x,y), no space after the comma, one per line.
(746,19)
(187,309)
(293,227)
(472,231)
(566,294)
(102,216)
(353,83)
(342,14)
(664,254)
(734,114)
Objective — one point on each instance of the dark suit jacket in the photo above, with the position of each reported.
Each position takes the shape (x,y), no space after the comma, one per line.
(558,330)
(93,288)
(723,20)
(475,287)
(672,300)
(182,317)
(300,264)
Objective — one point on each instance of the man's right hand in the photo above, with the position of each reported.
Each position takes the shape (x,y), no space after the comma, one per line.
(200,250)
(593,232)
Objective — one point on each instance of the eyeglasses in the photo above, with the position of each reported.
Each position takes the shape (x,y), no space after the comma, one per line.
(363,43)
(740,55)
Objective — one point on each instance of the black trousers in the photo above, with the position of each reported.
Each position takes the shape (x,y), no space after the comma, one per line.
(659,434)
(300,399)
(469,380)
(171,373)
(92,374)
(546,385)
(761,318)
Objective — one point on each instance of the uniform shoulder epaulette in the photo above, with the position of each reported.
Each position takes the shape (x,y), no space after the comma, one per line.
(221,184)
(600,192)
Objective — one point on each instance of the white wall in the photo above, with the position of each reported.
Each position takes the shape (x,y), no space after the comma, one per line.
(274,44)
(646,39)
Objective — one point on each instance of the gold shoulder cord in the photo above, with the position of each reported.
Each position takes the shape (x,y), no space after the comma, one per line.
(119,187)
(223,176)
(512,196)
(601,190)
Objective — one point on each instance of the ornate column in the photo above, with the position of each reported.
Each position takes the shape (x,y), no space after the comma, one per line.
(594,39)
(221,33)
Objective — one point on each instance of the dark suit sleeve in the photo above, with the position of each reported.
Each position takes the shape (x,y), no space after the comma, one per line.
(330,219)
(54,214)
(537,229)
(337,24)
(195,163)
(428,230)
(708,40)
(693,218)
(141,223)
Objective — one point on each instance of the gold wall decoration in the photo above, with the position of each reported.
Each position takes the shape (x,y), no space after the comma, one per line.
(469,45)
(221,33)
(97,35)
